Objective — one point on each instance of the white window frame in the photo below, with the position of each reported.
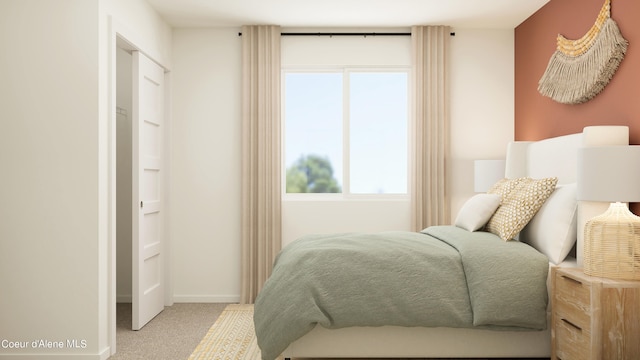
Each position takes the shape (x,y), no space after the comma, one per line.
(345,181)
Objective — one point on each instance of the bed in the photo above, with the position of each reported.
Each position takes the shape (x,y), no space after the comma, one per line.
(425,312)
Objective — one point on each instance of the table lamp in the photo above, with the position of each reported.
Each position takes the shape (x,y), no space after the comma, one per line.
(486,173)
(612,239)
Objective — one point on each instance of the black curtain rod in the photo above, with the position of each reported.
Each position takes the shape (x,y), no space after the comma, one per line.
(345,34)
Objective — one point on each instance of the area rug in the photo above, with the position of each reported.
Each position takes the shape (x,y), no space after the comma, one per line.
(232,337)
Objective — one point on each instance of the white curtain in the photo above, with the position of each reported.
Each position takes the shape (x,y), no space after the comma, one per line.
(430,198)
(261,174)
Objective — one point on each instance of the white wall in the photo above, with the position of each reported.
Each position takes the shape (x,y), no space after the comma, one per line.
(143,26)
(205,217)
(205,163)
(482,109)
(49,182)
(56,210)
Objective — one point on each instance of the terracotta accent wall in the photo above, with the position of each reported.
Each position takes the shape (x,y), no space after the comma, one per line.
(538,117)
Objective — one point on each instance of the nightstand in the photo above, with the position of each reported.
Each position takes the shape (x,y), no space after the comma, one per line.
(594,318)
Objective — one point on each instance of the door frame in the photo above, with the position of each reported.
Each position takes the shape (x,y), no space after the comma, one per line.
(121,36)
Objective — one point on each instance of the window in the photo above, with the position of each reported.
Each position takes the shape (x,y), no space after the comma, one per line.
(346,131)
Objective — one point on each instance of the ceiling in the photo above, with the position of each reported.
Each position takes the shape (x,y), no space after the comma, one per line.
(347,13)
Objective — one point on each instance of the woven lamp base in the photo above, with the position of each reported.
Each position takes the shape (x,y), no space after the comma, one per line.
(612,244)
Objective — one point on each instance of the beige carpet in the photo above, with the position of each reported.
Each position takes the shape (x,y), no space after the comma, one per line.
(172,335)
(232,337)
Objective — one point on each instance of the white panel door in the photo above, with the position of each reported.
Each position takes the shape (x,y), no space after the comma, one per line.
(148,114)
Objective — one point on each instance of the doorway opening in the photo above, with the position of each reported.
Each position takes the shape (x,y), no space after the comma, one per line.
(124,155)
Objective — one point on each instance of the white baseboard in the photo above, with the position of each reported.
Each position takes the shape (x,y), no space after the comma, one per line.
(123,298)
(206,298)
(190,299)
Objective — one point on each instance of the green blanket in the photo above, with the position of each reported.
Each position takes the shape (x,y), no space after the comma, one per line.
(442,277)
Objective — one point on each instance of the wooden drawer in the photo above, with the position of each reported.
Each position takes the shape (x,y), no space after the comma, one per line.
(573,300)
(572,343)
(594,318)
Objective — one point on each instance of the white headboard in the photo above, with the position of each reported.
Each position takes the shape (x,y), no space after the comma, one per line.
(545,158)
(558,157)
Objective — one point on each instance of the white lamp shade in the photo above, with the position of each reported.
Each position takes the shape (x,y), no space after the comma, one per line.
(486,173)
(609,174)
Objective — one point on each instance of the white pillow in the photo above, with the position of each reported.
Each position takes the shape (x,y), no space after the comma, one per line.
(553,231)
(477,211)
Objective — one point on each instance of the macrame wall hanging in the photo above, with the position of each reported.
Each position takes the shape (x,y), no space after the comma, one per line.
(579,69)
